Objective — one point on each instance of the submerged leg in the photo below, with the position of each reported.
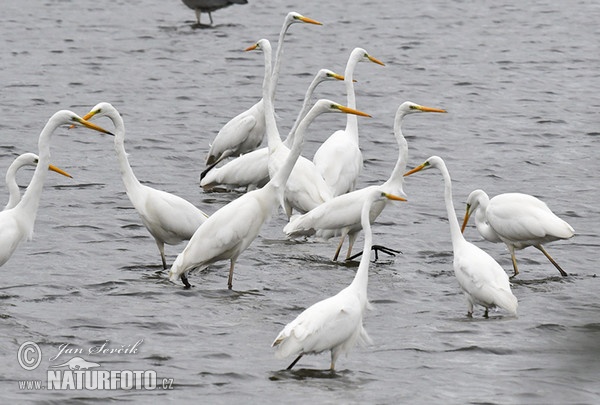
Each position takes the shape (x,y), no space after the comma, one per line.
(295,361)
(161,249)
(562,272)
(230,279)
(185,281)
(197,15)
(337,251)
(486,315)
(210,16)
(514,261)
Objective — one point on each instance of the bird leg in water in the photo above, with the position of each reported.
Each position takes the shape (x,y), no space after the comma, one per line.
(295,361)
(337,251)
(541,248)
(514,262)
(161,249)
(486,315)
(185,281)
(376,249)
(230,279)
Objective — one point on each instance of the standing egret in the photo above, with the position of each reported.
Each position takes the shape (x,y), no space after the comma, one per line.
(341,215)
(169,219)
(245,132)
(251,169)
(208,6)
(339,159)
(336,323)
(481,278)
(17,223)
(518,220)
(231,229)
(26,159)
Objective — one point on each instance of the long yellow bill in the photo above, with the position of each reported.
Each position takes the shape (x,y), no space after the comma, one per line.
(375,60)
(309,20)
(467,216)
(416,169)
(91,125)
(394,197)
(59,171)
(429,109)
(349,110)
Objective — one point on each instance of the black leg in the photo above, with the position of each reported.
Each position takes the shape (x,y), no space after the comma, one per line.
(376,249)
(294,362)
(185,281)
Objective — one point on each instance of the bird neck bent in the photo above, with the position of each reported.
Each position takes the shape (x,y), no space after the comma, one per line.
(455,232)
(14,194)
(127,175)
(31,199)
(396,179)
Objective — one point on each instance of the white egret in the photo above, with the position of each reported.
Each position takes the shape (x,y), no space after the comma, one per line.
(169,218)
(17,223)
(336,323)
(251,169)
(231,229)
(208,6)
(341,215)
(245,132)
(518,220)
(481,278)
(26,159)
(339,159)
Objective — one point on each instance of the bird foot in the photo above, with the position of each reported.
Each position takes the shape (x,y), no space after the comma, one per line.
(377,249)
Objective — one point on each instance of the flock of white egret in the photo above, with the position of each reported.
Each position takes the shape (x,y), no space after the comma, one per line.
(321,192)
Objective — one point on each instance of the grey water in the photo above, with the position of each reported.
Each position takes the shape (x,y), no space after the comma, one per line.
(520,82)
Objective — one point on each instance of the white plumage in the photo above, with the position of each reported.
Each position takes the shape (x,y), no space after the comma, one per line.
(336,323)
(169,218)
(519,220)
(483,281)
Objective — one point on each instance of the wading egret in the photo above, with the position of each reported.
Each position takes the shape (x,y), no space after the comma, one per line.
(245,132)
(336,323)
(231,229)
(26,159)
(17,223)
(208,6)
(518,220)
(481,278)
(341,215)
(251,170)
(169,219)
(339,159)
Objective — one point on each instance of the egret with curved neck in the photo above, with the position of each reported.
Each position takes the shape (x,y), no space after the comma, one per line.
(339,159)
(26,159)
(169,218)
(483,281)
(336,323)
(17,223)
(519,220)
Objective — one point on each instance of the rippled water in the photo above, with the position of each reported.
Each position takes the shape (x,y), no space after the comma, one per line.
(520,82)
